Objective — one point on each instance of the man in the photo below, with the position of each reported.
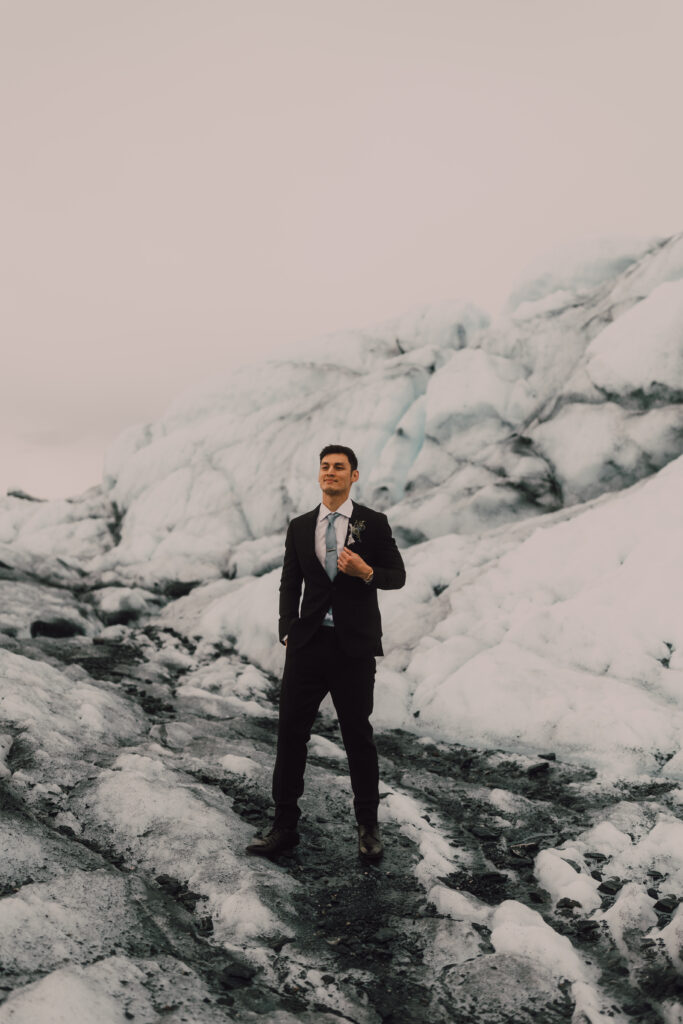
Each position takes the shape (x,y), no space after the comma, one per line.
(343,553)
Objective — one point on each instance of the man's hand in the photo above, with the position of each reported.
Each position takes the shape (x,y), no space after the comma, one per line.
(352,564)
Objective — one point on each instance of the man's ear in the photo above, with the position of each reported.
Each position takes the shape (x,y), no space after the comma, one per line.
(354,476)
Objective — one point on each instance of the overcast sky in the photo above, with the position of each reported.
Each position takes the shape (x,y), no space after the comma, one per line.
(188,183)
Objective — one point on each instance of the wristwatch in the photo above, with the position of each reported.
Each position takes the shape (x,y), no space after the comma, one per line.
(370,577)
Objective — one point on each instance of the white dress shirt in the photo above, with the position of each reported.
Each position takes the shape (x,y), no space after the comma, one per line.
(341,527)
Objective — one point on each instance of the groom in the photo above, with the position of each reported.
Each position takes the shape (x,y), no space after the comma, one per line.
(342,553)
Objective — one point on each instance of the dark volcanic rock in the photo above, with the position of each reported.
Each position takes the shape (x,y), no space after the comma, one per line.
(485,833)
(567,904)
(57,628)
(236,975)
(667,904)
(23,495)
(587,930)
(171,885)
(488,886)
(611,886)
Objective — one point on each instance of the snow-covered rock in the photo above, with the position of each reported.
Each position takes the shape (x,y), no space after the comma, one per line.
(558,633)
(460,425)
(72,529)
(56,716)
(532,471)
(517,627)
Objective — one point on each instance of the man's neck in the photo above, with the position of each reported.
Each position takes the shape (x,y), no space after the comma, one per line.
(334,501)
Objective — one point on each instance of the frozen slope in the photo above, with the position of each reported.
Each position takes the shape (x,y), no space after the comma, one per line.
(531,469)
(137,733)
(560,634)
(460,425)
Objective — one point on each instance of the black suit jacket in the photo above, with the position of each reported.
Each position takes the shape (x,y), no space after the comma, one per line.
(354,603)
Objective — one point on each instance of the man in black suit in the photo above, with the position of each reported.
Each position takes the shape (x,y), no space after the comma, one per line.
(342,553)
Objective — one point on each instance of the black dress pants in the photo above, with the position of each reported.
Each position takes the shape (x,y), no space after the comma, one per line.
(315,669)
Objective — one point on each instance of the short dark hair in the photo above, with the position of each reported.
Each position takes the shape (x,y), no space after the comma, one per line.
(340,449)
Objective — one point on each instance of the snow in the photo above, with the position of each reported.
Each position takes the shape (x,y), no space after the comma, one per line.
(58,528)
(64,997)
(599,448)
(564,880)
(518,929)
(562,635)
(391,699)
(577,618)
(577,267)
(605,838)
(461,906)
(632,915)
(437,856)
(6,740)
(642,350)
(151,813)
(250,614)
(556,300)
(672,936)
(661,849)
(432,400)
(653,847)
(460,425)
(523,629)
(242,916)
(113,990)
(471,388)
(55,713)
(116,603)
(225,678)
(320,746)
(236,765)
(532,470)
(54,920)
(23,603)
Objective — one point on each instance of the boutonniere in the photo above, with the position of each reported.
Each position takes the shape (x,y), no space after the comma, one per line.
(355,529)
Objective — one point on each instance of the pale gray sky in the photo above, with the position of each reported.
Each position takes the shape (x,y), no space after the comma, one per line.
(187,183)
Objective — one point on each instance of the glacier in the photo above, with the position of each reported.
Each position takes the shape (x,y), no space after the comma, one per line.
(531,466)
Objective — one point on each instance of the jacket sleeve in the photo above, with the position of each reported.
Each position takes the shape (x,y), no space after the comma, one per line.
(290,586)
(389,571)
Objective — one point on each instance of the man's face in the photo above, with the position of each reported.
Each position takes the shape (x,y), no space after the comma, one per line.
(336,475)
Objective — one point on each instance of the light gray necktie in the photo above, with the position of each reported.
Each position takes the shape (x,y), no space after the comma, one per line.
(331,545)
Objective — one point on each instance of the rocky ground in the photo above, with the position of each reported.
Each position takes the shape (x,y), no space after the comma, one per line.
(126,895)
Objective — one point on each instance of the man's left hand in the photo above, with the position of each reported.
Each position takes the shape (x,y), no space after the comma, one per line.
(352,564)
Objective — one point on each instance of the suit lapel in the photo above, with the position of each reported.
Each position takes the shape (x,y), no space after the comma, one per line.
(348,525)
(359,539)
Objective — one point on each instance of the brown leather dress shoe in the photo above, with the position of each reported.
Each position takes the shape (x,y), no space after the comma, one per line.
(369,842)
(276,841)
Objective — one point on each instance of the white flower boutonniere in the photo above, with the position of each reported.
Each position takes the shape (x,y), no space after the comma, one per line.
(355,529)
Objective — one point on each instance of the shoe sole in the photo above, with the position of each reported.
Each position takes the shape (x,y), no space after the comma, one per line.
(259,851)
(371,856)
